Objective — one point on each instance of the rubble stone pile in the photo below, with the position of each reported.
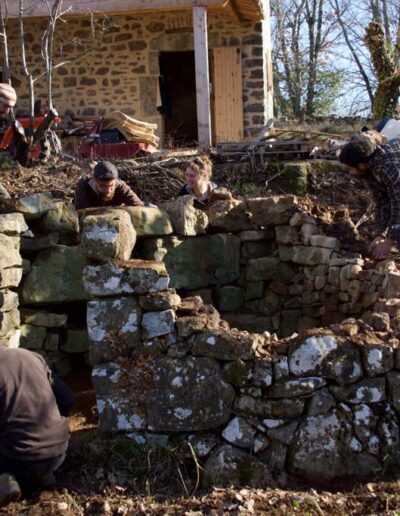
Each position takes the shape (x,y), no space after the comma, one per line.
(169,369)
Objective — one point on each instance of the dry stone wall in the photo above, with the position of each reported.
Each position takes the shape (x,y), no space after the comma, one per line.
(123,73)
(169,370)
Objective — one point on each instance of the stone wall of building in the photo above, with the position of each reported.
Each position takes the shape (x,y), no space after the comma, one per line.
(122,73)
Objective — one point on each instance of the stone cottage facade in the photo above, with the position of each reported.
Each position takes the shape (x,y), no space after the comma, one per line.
(123,71)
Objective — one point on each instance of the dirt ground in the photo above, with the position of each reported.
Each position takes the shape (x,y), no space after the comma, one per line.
(110,476)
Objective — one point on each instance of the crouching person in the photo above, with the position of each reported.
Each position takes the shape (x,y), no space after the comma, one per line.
(34,431)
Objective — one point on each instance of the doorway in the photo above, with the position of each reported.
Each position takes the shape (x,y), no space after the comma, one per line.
(178,98)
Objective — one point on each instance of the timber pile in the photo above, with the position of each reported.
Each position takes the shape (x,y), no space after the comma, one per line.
(133,130)
(284,144)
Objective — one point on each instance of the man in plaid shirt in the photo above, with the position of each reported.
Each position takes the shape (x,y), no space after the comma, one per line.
(379,166)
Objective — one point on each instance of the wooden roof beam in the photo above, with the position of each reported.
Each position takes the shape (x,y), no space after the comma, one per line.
(81,7)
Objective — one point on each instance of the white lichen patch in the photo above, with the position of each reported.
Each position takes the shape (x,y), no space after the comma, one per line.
(272,423)
(99,371)
(130,326)
(100,405)
(137,422)
(211,341)
(112,284)
(355,445)
(369,394)
(363,415)
(374,357)
(106,235)
(311,353)
(177,381)
(182,413)
(232,432)
(115,376)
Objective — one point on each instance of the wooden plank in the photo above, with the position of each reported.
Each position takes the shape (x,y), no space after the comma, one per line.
(202,76)
(227,93)
(79,7)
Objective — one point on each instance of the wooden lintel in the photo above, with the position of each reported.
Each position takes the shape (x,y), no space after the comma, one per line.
(33,8)
(203,103)
(234,11)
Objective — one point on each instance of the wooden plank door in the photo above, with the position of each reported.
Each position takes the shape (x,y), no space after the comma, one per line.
(227,94)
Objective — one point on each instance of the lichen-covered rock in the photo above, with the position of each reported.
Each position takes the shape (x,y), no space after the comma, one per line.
(238,373)
(394,388)
(185,218)
(266,268)
(113,328)
(343,365)
(34,206)
(272,211)
(8,300)
(305,255)
(9,253)
(11,340)
(9,321)
(377,359)
(10,277)
(294,388)
(239,433)
(224,345)
(370,390)
(325,450)
(229,298)
(160,300)
(284,408)
(190,324)
(197,262)
(230,215)
(35,243)
(32,337)
(61,218)
(188,395)
(12,224)
(129,277)
(107,236)
(364,422)
(156,324)
(227,466)
(284,433)
(55,277)
(321,403)
(42,318)
(76,341)
(149,221)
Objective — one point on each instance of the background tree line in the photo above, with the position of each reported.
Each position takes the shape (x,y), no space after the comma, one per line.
(336,56)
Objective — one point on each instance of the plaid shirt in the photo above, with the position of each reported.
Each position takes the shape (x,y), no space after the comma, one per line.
(384,182)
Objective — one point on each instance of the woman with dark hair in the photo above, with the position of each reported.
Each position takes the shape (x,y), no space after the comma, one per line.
(198,181)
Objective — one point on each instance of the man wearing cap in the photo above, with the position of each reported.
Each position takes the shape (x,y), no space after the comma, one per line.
(104,188)
(8,98)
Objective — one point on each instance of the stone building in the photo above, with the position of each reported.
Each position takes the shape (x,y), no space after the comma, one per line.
(201,72)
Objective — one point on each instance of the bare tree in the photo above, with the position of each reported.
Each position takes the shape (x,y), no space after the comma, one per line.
(26,141)
(371,33)
(303,34)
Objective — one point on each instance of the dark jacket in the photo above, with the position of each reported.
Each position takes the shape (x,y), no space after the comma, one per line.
(86,197)
(31,425)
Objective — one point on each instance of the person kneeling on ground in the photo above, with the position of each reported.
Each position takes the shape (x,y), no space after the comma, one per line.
(34,430)
(104,188)
(379,167)
(198,181)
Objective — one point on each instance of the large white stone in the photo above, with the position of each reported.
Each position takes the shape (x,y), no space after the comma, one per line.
(310,355)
